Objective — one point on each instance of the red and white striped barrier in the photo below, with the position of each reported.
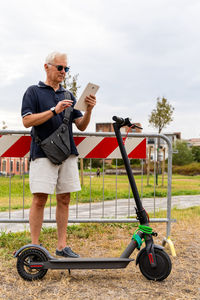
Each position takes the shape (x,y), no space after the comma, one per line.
(88,146)
(14,145)
(107,147)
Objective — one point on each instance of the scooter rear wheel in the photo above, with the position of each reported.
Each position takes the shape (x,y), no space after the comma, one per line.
(162,269)
(23,264)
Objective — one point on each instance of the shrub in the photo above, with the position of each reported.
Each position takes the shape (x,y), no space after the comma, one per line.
(196,153)
(183,156)
(191,169)
(120,162)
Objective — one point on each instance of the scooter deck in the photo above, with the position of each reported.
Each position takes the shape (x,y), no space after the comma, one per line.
(84,263)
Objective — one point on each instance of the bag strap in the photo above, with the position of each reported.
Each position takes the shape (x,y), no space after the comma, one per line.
(66,118)
(68,111)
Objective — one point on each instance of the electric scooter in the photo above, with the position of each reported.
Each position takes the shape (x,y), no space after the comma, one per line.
(33,261)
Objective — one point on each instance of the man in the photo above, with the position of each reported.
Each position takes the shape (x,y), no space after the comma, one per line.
(43,109)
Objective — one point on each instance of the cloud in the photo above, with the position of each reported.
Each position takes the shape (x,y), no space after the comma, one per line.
(135,50)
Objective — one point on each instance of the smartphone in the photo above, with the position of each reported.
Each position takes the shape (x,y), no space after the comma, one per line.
(90,89)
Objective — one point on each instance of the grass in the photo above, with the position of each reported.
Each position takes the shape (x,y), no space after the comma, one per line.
(181,185)
(10,241)
(107,240)
(180,214)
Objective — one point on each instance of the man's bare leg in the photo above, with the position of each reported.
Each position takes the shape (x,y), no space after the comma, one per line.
(62,213)
(36,216)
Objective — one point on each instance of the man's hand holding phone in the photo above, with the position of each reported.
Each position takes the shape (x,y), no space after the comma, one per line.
(90,102)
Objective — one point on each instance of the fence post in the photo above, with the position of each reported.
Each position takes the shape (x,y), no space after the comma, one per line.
(163,167)
(149,164)
(81,167)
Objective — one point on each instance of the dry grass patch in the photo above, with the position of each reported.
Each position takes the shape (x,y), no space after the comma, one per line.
(110,240)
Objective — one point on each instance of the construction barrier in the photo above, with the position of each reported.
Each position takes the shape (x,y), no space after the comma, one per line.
(16,145)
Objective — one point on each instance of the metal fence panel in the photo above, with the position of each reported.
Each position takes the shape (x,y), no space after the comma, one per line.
(15,144)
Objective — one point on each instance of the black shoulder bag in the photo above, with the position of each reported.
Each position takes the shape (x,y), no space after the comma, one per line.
(57,146)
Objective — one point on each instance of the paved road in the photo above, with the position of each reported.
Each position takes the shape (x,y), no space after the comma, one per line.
(118,209)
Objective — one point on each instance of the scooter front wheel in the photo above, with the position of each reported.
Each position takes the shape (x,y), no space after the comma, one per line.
(161,271)
(24,268)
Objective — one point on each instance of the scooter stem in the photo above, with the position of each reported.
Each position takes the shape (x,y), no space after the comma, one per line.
(141,213)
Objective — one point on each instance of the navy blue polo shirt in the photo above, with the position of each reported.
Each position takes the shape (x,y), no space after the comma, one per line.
(40,98)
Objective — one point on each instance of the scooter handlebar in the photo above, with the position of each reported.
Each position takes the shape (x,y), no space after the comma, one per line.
(125,122)
(118,120)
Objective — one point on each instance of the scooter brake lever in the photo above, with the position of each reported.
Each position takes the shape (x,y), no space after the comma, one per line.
(138,126)
(127,122)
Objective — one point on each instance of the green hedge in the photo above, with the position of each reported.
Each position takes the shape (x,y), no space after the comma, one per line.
(191,169)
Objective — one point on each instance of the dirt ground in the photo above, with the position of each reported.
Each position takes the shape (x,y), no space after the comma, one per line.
(124,284)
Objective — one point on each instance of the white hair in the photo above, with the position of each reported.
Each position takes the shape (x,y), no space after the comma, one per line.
(51,57)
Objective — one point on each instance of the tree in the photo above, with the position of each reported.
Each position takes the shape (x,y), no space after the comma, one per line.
(161,115)
(196,153)
(70,82)
(184,154)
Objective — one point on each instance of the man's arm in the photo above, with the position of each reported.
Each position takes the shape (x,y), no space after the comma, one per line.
(40,118)
(82,123)
(37,119)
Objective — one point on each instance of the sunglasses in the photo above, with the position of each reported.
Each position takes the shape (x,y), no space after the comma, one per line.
(60,67)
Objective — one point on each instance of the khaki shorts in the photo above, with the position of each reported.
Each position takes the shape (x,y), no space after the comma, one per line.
(44,176)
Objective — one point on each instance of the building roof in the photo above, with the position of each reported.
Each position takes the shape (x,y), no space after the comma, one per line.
(194,142)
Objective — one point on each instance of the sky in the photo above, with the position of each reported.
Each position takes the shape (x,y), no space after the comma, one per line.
(136,51)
